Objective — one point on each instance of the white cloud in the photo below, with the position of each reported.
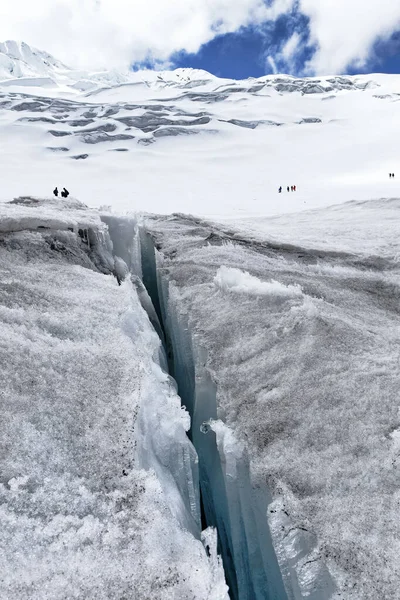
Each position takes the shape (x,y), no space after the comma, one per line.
(278,8)
(290,47)
(115,33)
(271,62)
(345,30)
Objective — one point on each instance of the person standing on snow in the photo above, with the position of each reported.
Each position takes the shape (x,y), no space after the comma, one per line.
(55,192)
(288,188)
(65,193)
(280,189)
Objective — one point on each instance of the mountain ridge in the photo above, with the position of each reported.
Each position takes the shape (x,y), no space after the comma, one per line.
(19,61)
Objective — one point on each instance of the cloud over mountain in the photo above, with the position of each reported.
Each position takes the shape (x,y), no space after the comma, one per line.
(116,33)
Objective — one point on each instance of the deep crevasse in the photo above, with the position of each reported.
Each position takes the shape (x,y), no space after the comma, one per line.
(162,444)
(230,503)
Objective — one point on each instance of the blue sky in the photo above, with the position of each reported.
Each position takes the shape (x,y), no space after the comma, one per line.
(245,53)
(231,38)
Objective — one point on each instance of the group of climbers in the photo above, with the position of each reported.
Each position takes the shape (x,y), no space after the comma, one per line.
(292,188)
(64,192)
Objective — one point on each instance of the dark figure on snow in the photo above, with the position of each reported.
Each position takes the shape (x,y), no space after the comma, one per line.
(288,188)
(294,188)
(55,192)
(390,175)
(280,189)
(65,193)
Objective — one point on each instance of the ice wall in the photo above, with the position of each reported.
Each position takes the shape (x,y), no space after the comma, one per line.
(161,441)
(123,232)
(229,501)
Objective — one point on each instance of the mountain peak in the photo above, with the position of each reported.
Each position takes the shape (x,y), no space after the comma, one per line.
(18,59)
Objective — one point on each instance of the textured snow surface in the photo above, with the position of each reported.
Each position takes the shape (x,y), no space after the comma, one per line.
(309,381)
(186,141)
(23,214)
(79,518)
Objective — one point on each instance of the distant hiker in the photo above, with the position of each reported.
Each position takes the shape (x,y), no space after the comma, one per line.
(65,193)
(55,192)
(294,188)
(288,188)
(280,189)
(390,175)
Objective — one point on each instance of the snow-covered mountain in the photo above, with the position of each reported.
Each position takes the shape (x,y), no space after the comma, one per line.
(188,141)
(18,59)
(23,65)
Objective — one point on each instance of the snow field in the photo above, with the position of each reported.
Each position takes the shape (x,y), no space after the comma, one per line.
(186,141)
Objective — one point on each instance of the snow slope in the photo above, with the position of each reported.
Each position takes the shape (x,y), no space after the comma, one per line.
(80,518)
(186,141)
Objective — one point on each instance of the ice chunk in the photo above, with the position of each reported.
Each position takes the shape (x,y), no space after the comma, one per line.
(241,282)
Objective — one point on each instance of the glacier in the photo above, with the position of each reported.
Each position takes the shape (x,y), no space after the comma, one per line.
(209,405)
(198,369)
